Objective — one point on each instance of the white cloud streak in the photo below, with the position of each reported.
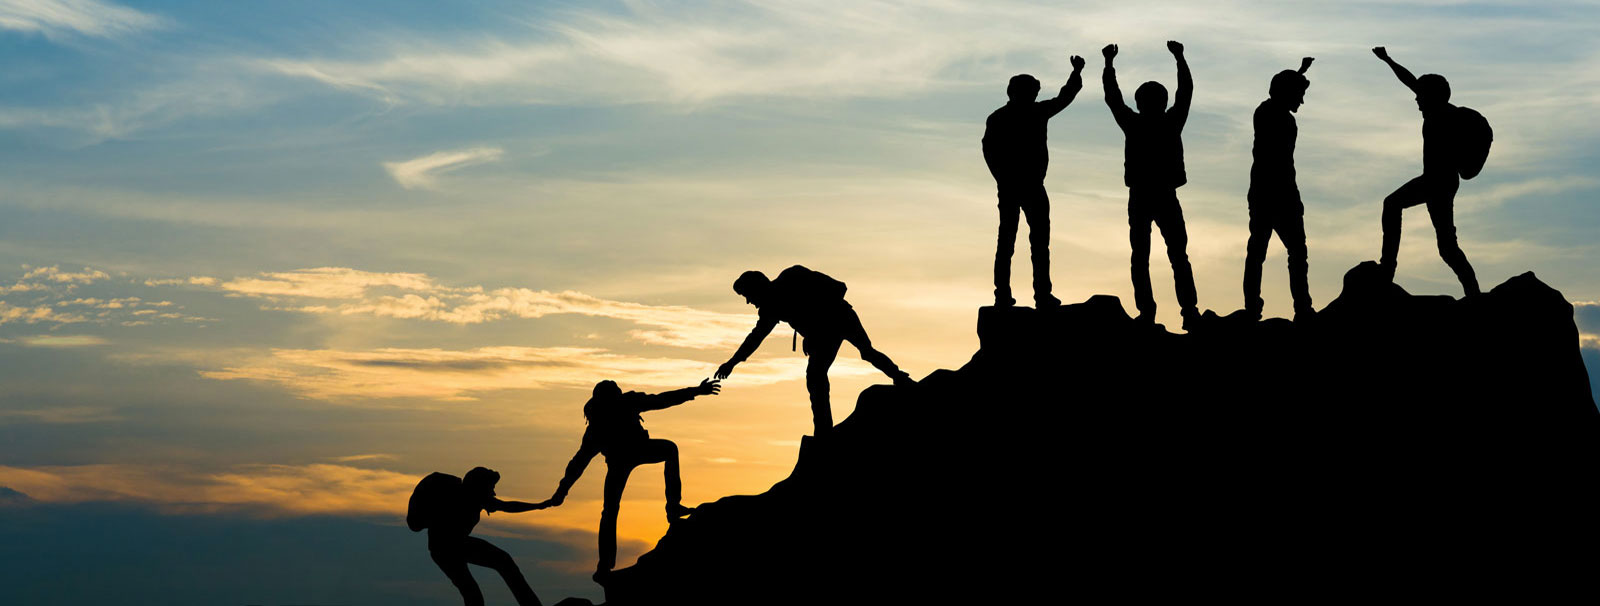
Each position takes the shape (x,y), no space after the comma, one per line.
(423,172)
(60,18)
(672,325)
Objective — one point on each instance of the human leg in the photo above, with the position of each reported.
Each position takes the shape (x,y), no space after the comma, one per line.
(1139,240)
(483,553)
(1291,227)
(1255,253)
(1441,210)
(664,451)
(1414,192)
(1037,210)
(1169,217)
(454,564)
(1004,247)
(821,352)
(616,480)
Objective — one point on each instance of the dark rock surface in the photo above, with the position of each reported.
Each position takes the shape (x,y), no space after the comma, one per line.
(1394,445)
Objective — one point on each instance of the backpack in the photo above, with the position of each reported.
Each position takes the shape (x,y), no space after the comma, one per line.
(1472,145)
(430,499)
(813,286)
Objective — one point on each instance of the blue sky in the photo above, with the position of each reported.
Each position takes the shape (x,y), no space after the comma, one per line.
(270,262)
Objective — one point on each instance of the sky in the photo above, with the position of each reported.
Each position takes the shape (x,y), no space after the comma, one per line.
(265,265)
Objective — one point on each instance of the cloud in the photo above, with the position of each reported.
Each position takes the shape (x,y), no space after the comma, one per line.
(45,278)
(59,415)
(440,374)
(671,325)
(31,315)
(63,341)
(60,18)
(364,457)
(423,172)
(190,281)
(273,489)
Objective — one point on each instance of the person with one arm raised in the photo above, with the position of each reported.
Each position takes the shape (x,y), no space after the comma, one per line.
(616,429)
(1274,198)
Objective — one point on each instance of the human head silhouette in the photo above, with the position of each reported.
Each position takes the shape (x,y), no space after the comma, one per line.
(1289,88)
(607,389)
(1151,98)
(1432,91)
(480,482)
(753,286)
(1023,88)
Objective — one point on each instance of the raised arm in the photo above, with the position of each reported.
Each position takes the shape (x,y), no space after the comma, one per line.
(668,399)
(1108,81)
(575,467)
(758,334)
(1069,91)
(1185,94)
(1399,72)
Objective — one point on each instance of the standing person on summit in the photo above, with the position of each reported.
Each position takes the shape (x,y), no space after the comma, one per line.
(813,303)
(1448,145)
(1014,148)
(1153,172)
(616,430)
(1274,197)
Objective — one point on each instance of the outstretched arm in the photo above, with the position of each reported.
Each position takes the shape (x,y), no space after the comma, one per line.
(763,328)
(513,506)
(668,399)
(1399,72)
(575,467)
(1069,91)
(1185,94)
(1108,81)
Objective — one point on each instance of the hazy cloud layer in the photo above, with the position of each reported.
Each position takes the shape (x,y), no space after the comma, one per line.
(424,299)
(463,374)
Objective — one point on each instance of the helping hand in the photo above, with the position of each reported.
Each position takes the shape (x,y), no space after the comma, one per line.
(708,387)
(724,370)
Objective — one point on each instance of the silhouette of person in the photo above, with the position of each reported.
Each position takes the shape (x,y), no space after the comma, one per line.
(616,430)
(1153,172)
(1274,198)
(452,547)
(1437,185)
(1015,150)
(814,305)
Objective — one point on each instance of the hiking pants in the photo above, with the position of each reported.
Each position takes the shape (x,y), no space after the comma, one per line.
(823,347)
(1027,197)
(454,555)
(1158,205)
(619,464)
(1439,193)
(1285,215)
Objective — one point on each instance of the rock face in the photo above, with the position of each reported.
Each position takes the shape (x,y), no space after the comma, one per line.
(1400,444)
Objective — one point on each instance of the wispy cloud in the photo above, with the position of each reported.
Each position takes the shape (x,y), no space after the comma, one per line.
(671,325)
(31,315)
(58,415)
(439,374)
(59,18)
(271,489)
(423,172)
(63,341)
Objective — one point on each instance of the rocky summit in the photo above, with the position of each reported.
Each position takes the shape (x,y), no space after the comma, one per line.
(1391,446)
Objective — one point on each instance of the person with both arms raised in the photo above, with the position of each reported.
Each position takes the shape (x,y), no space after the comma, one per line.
(1153,172)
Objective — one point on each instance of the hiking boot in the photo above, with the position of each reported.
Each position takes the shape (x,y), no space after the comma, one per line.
(601,576)
(1305,315)
(1046,301)
(677,511)
(1191,320)
(902,379)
